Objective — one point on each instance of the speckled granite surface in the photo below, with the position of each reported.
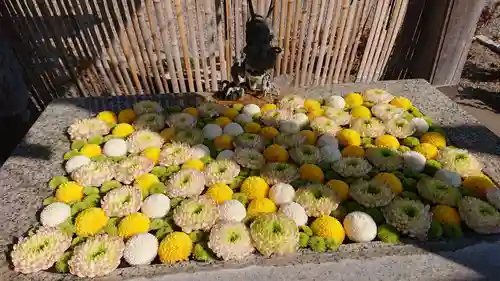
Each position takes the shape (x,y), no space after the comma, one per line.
(24,175)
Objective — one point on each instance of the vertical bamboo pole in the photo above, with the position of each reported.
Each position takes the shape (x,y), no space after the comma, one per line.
(211,16)
(310,37)
(281,32)
(200,20)
(237,28)
(244,15)
(338,43)
(194,46)
(324,39)
(315,46)
(331,43)
(153,26)
(220,39)
(301,47)
(184,44)
(345,40)
(354,40)
(296,33)
(175,48)
(289,21)
(228,29)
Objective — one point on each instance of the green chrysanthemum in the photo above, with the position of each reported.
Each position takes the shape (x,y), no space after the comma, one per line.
(181,121)
(275,116)
(352,167)
(317,199)
(230,241)
(290,140)
(291,102)
(142,139)
(132,167)
(221,171)
(306,154)
(122,201)
(337,115)
(196,214)
(274,234)
(409,217)
(368,127)
(377,96)
(40,250)
(185,183)
(88,128)
(386,112)
(147,106)
(275,173)
(94,173)
(459,161)
(249,158)
(384,159)
(248,140)
(150,121)
(479,216)
(371,193)
(324,125)
(438,192)
(190,137)
(175,154)
(400,128)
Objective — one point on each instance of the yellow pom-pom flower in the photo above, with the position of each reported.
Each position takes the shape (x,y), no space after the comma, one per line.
(230,113)
(145,181)
(349,137)
(480,185)
(191,111)
(311,136)
(328,227)
(255,187)
(269,133)
(312,105)
(389,180)
(341,189)
(224,142)
(311,172)
(276,153)
(220,192)
(261,206)
(90,150)
(353,99)
(175,247)
(222,121)
(353,151)
(108,117)
(361,111)
(426,149)
(133,224)
(152,153)
(196,164)
(90,221)
(401,102)
(267,107)
(434,138)
(127,116)
(123,130)
(69,192)
(167,134)
(253,128)
(445,214)
(387,141)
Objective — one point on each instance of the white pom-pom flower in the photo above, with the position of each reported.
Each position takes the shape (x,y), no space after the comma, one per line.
(115,148)
(156,206)
(448,177)
(225,154)
(296,212)
(360,227)
(141,249)
(244,118)
(233,129)
(414,161)
(232,210)
(55,214)
(282,193)
(251,109)
(200,151)
(289,126)
(301,119)
(211,131)
(330,153)
(327,139)
(421,126)
(335,102)
(76,162)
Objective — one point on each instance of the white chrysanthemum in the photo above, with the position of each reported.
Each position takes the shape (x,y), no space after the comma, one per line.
(233,129)
(291,102)
(306,154)
(150,121)
(384,159)
(76,162)
(493,196)
(324,125)
(190,137)
(221,171)
(230,241)
(249,158)
(200,151)
(352,167)
(448,177)
(141,249)
(335,102)
(181,121)
(94,173)
(232,210)
(289,126)
(400,128)
(251,109)
(85,129)
(175,154)
(211,131)
(386,112)
(327,139)
(132,167)
(479,215)
(296,212)
(290,140)
(55,214)
(371,193)
(225,154)
(275,173)
(211,109)
(377,96)
(360,227)
(147,106)
(156,206)
(409,217)
(142,139)
(115,148)
(421,126)
(39,251)
(122,201)
(317,199)
(282,193)
(459,161)
(414,161)
(301,119)
(339,116)
(243,118)
(249,140)
(185,183)
(330,153)
(193,214)
(368,127)
(274,116)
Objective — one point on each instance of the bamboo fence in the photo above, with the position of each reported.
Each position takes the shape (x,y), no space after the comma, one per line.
(129,47)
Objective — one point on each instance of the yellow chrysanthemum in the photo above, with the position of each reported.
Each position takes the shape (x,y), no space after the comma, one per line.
(133,224)
(167,134)
(261,206)
(123,130)
(434,138)
(401,102)
(311,172)
(145,181)
(196,164)
(224,142)
(387,141)
(311,136)
(360,111)
(191,111)
(353,151)
(90,150)
(349,137)
(276,153)
(390,180)
(315,113)
(127,116)
(175,247)
(445,214)
(312,105)
(269,133)
(220,192)
(341,189)
(230,113)
(255,187)
(108,117)
(426,149)
(478,184)
(353,99)
(69,192)
(252,127)
(152,153)
(90,221)
(328,227)
(222,121)
(267,107)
